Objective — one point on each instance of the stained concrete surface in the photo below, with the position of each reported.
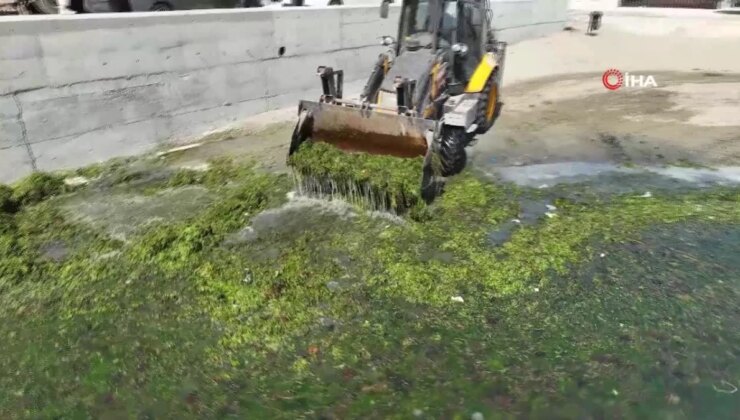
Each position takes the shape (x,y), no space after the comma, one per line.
(690,117)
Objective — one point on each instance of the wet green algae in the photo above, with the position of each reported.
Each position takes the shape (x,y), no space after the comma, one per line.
(355,318)
(375,180)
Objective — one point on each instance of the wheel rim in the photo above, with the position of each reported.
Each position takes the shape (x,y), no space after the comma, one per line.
(492,101)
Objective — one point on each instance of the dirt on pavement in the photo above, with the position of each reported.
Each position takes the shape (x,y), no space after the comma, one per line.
(689,117)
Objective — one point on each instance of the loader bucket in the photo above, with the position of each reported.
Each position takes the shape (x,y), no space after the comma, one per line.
(354,129)
(374,131)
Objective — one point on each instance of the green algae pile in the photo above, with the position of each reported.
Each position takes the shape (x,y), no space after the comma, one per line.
(376,181)
(618,307)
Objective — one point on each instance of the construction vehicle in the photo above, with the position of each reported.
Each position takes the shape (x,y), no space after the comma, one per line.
(430,94)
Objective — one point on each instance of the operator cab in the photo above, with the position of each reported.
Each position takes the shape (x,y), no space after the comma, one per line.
(438,25)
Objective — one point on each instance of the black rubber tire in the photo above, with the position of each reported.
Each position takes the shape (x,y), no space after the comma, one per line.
(484,124)
(161,6)
(45,7)
(22,9)
(452,150)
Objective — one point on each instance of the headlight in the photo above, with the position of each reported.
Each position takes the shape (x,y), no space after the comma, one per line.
(460,48)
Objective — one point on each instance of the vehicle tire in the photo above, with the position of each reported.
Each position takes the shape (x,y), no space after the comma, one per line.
(23,9)
(452,150)
(161,6)
(489,106)
(44,7)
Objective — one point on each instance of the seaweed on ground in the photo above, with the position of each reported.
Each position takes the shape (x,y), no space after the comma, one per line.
(382,182)
(623,307)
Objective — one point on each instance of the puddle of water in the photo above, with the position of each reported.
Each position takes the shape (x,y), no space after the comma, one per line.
(300,213)
(726,175)
(297,214)
(122,214)
(630,179)
(530,212)
(55,251)
(502,234)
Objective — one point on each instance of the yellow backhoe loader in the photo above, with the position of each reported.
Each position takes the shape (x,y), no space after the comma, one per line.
(430,94)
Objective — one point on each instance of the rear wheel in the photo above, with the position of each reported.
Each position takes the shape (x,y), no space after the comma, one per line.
(452,150)
(46,7)
(161,6)
(489,105)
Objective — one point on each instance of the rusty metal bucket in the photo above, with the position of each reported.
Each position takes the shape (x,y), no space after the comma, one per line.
(357,129)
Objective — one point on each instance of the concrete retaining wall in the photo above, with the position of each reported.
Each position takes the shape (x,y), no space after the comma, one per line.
(517,20)
(592,5)
(75,90)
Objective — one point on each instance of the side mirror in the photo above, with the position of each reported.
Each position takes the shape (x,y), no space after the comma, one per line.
(384,7)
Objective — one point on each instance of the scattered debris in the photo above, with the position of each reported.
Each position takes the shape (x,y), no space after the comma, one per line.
(550,214)
(673,399)
(375,388)
(108,255)
(458,299)
(551,207)
(646,195)
(333,285)
(76,181)
(602,255)
(418,413)
(727,388)
(179,149)
(198,167)
(327,323)
(477,416)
